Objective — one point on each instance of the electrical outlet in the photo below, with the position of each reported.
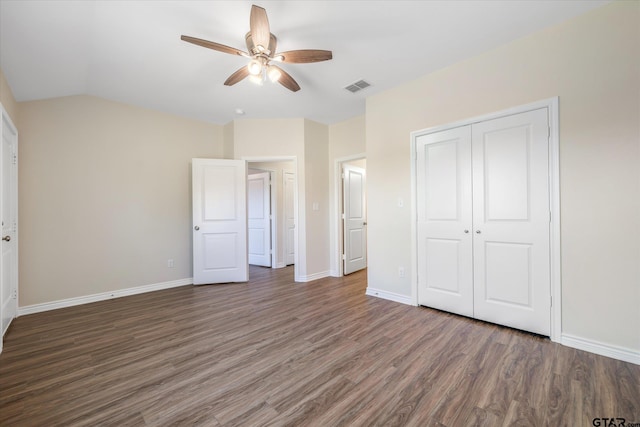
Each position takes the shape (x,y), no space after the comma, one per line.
(400,271)
(170,263)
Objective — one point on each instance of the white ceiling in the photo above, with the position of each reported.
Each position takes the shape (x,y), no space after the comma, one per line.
(131,52)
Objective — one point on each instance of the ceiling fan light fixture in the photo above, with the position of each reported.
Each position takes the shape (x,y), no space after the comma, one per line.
(255,67)
(273,73)
(256,79)
(261,50)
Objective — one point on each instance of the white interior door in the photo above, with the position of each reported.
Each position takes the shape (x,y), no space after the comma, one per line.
(9,209)
(443,166)
(355,218)
(219,221)
(289,217)
(511,219)
(259,218)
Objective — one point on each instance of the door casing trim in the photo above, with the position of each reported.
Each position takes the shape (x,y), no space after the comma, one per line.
(336,226)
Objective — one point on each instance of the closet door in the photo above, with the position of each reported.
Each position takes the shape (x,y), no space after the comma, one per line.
(443,167)
(511,219)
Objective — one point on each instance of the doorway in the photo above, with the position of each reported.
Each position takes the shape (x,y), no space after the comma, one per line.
(351,214)
(283,209)
(289,186)
(260,218)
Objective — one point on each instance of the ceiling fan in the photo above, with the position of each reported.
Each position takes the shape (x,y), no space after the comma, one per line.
(261,45)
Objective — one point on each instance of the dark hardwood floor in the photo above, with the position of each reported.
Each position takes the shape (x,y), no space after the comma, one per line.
(274,352)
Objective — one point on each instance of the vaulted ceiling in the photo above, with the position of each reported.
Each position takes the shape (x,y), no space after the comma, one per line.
(131,52)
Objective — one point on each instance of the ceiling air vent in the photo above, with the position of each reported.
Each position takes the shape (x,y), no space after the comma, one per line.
(358,86)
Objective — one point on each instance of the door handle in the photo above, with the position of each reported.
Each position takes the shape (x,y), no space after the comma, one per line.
(7,238)
(196,228)
(478,231)
(466,231)
(364,223)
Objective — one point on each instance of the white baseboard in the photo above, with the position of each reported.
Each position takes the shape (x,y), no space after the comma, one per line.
(334,273)
(314,276)
(70,302)
(281,264)
(608,350)
(392,296)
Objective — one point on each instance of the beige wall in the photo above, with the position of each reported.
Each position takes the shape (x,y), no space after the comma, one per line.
(316,159)
(346,140)
(8,101)
(105,196)
(592,64)
(227,137)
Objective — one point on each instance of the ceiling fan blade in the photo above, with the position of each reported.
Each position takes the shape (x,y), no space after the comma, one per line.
(212,45)
(305,56)
(286,80)
(259,24)
(237,76)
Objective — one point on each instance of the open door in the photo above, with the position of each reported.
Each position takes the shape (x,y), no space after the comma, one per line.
(289,218)
(355,219)
(9,211)
(259,211)
(219,221)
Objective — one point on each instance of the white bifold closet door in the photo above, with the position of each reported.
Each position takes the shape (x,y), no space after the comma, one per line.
(483,221)
(445,252)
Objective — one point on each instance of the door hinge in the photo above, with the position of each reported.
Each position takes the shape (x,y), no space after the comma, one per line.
(344,257)
(548,132)
(15,159)
(343,176)
(342,216)
(15,294)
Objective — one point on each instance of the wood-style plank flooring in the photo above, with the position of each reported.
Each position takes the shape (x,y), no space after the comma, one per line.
(275,352)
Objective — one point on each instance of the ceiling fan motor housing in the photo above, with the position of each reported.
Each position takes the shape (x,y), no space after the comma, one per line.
(255,50)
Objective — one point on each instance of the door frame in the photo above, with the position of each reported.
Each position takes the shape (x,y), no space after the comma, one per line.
(554,200)
(294,159)
(337,228)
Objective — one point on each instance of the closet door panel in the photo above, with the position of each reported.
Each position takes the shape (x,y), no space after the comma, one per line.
(443,167)
(511,221)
